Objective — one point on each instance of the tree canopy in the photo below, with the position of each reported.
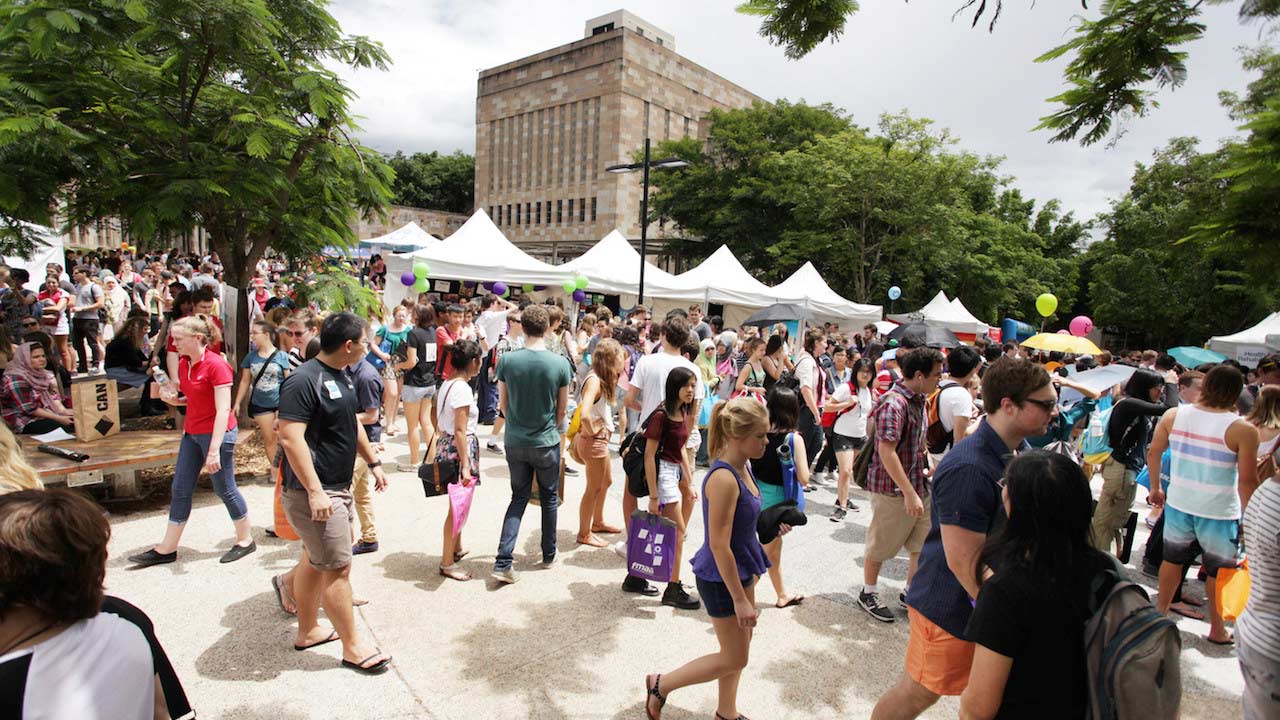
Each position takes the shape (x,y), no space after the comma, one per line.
(434,181)
(897,204)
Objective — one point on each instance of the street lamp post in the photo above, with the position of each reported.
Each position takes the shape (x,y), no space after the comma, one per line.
(666,163)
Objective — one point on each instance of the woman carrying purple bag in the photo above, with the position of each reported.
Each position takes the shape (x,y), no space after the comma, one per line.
(730,560)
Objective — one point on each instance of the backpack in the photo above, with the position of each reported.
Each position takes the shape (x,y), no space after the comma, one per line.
(937,438)
(496,352)
(1131,653)
(632,451)
(1093,442)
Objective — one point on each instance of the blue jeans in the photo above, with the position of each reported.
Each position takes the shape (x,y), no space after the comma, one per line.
(191,454)
(526,464)
(488,393)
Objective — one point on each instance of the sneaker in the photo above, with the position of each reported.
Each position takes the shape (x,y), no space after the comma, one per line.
(494,447)
(506,577)
(408,467)
(620,548)
(849,504)
(871,603)
(810,487)
(639,586)
(570,470)
(677,597)
(902,599)
(828,477)
(151,557)
(238,551)
(548,562)
(363,547)
(838,514)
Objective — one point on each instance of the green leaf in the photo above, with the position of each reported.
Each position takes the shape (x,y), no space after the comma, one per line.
(62,20)
(258,146)
(136,10)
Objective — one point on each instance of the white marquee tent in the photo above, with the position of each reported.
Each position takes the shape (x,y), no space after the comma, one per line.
(940,312)
(405,239)
(613,267)
(963,313)
(1250,345)
(806,288)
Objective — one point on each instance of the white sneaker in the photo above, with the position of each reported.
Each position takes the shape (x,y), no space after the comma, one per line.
(620,548)
(408,467)
(506,577)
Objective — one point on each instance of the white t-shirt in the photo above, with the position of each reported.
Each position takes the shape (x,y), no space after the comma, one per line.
(954,402)
(854,422)
(493,323)
(807,373)
(456,394)
(97,669)
(651,377)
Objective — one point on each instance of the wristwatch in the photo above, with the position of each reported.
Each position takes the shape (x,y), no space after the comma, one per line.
(373,465)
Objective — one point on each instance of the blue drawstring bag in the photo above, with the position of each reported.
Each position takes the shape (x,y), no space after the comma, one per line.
(791,489)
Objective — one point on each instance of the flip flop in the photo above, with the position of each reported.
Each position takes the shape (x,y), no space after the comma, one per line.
(459,555)
(332,636)
(277,584)
(375,669)
(795,600)
(1229,641)
(1187,612)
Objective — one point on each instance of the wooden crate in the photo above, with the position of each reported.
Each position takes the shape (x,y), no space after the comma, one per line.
(96,405)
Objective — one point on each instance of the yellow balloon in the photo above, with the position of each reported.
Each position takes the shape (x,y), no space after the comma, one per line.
(1046,304)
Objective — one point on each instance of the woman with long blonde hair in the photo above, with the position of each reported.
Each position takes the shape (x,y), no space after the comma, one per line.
(1266,417)
(591,444)
(15,472)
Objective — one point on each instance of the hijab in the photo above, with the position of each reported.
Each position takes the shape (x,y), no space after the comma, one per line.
(706,364)
(42,381)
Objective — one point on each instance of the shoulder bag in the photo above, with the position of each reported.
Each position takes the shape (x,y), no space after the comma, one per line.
(439,472)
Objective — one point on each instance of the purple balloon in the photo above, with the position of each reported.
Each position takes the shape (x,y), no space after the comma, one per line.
(539,288)
(468,283)
(499,288)
(488,286)
(407,278)
(579,296)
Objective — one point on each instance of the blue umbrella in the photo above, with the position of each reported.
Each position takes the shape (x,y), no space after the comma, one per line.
(1194,356)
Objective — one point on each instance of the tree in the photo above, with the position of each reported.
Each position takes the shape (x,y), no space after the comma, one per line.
(435,181)
(175,113)
(1115,59)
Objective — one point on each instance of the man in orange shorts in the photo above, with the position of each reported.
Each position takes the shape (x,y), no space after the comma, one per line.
(967,505)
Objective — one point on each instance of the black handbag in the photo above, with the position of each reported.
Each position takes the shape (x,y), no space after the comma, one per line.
(437,474)
(632,452)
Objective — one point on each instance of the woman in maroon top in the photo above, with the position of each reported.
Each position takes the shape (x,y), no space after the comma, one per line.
(666,467)
(208,439)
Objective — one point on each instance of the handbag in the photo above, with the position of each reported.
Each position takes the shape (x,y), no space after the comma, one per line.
(791,489)
(1232,590)
(651,546)
(438,474)
(632,452)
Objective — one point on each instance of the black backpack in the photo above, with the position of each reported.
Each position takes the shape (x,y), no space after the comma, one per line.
(632,452)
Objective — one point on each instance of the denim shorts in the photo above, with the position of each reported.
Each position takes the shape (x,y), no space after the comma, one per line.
(256,410)
(846,443)
(414,393)
(716,598)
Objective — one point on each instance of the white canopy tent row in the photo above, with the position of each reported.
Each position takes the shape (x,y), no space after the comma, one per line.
(807,289)
(1249,346)
(409,238)
(944,313)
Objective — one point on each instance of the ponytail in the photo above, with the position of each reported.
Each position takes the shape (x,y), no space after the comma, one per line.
(734,419)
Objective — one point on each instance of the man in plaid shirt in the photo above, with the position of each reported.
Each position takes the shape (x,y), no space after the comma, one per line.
(896,476)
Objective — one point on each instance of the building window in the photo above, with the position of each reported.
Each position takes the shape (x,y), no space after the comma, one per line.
(559,212)
(593,209)
(490,212)
(517,213)
(570,210)
(602,29)
(528,218)
(508,214)
(582,209)
(537,213)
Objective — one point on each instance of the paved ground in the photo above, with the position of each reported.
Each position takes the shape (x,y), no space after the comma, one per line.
(561,643)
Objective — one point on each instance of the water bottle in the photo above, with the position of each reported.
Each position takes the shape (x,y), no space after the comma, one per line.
(167,388)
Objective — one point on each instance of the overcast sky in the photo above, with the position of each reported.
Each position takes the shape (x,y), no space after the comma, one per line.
(894,55)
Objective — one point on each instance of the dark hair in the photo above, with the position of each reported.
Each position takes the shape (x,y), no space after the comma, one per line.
(1047,532)
(675,330)
(535,321)
(774,344)
(21,275)
(1009,346)
(204,293)
(487,301)
(716,322)
(863,364)
(992,353)
(455,309)
(1165,362)
(918,361)
(1142,382)
(690,349)
(783,405)
(424,316)
(464,352)
(53,554)
(836,350)
(1222,386)
(676,380)
(962,361)
(811,339)
(1011,378)
(339,329)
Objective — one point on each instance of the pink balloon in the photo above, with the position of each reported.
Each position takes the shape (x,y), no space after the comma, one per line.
(1081,325)
(1063,332)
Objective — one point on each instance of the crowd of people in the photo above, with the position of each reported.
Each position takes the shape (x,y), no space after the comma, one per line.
(968,460)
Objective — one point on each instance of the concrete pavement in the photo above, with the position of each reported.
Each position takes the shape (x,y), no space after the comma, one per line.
(562,642)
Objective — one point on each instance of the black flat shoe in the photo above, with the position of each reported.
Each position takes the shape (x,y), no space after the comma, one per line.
(238,551)
(640,586)
(151,557)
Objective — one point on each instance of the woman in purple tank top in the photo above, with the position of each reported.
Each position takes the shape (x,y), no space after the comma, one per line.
(731,557)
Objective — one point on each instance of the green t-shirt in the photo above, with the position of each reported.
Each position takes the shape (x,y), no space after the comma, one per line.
(533,379)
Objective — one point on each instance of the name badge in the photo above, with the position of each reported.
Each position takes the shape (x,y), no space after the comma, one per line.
(334,391)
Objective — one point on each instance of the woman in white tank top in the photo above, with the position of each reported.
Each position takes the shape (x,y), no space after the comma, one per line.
(591,443)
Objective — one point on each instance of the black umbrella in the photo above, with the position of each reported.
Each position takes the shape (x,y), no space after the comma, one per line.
(919,334)
(776,313)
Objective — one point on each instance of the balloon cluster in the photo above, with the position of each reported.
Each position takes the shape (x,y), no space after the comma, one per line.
(417,277)
(576,286)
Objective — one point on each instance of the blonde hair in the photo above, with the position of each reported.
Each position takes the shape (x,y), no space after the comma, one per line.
(606,363)
(1266,411)
(734,420)
(198,325)
(15,472)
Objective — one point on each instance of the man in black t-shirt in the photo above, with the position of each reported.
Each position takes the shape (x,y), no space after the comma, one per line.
(319,428)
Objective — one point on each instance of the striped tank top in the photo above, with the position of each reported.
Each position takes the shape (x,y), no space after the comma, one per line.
(1202,471)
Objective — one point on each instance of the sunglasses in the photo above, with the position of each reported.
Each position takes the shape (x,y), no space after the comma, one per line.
(1045,405)
(30,323)
(298,333)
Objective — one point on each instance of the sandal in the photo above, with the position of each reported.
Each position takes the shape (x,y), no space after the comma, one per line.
(283,594)
(375,669)
(740,717)
(652,691)
(454,573)
(1187,611)
(460,554)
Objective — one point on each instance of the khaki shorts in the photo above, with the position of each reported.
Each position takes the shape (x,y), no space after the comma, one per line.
(328,543)
(892,528)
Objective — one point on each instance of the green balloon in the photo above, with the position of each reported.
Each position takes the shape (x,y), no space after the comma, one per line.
(569,286)
(422,285)
(421,270)
(1046,304)
(580,282)
(528,287)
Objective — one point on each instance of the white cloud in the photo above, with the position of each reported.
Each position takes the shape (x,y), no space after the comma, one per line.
(984,86)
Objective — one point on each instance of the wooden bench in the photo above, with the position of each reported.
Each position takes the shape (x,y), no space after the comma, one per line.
(113,460)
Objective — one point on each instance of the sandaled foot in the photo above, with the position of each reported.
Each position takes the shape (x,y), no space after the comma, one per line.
(788,602)
(653,699)
(317,637)
(283,595)
(357,602)
(592,540)
(333,635)
(1186,610)
(1229,640)
(375,664)
(454,573)
(606,529)
(460,554)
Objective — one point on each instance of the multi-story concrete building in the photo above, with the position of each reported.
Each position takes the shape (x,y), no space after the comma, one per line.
(436,222)
(548,125)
